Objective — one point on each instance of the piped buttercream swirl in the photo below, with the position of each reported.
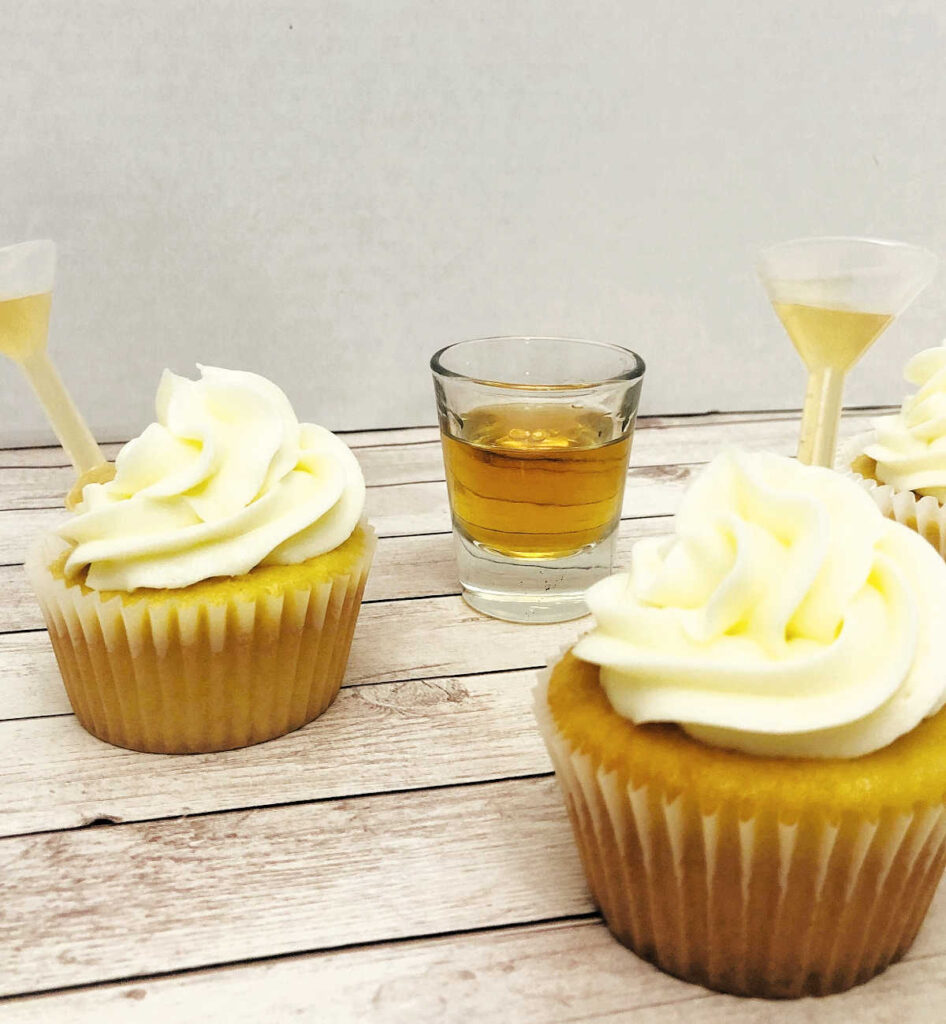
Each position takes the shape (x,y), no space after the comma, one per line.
(785,616)
(909,447)
(226,479)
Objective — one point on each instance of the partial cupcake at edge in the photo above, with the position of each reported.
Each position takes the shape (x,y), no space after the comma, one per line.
(901,461)
(750,740)
(206,596)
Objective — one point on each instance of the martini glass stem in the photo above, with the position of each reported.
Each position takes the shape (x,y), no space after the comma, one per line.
(820,417)
(70,427)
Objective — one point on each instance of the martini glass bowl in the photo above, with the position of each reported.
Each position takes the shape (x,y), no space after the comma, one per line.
(835,296)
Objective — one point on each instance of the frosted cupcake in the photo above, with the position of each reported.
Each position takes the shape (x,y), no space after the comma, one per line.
(902,461)
(750,741)
(205,598)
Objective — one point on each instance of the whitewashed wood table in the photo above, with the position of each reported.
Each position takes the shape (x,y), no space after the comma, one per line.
(404,858)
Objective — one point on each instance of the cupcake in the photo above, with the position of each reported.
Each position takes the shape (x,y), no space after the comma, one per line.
(750,740)
(205,598)
(902,460)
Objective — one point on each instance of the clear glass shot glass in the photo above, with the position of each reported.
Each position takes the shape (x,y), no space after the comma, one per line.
(536,436)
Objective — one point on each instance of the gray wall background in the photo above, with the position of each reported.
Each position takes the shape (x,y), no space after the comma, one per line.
(326,192)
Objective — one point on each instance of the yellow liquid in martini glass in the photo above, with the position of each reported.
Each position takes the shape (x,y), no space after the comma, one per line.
(830,341)
(24,325)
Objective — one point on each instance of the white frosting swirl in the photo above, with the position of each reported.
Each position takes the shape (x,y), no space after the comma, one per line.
(225,480)
(785,617)
(910,446)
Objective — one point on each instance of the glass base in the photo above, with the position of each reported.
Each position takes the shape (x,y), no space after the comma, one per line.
(531,590)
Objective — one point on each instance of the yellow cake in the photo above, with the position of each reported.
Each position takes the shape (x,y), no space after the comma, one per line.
(756,876)
(206,597)
(728,835)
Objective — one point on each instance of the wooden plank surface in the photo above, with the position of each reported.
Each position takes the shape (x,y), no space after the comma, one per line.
(56,776)
(241,885)
(404,858)
(555,973)
(124,900)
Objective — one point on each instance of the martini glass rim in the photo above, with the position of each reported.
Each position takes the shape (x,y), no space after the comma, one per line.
(862,241)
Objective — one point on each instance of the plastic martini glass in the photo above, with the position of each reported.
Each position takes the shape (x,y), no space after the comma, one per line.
(27,272)
(835,297)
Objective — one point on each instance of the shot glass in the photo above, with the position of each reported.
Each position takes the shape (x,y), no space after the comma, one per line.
(536,436)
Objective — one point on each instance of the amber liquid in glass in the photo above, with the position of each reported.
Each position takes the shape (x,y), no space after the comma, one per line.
(536,481)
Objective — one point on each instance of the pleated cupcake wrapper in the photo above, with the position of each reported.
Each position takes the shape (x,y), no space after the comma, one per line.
(924,515)
(198,676)
(753,906)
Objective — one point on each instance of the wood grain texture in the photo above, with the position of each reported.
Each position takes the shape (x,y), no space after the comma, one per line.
(131,900)
(554,973)
(394,736)
(125,900)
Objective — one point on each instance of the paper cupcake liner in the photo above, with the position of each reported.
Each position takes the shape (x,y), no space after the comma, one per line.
(924,515)
(752,906)
(195,676)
